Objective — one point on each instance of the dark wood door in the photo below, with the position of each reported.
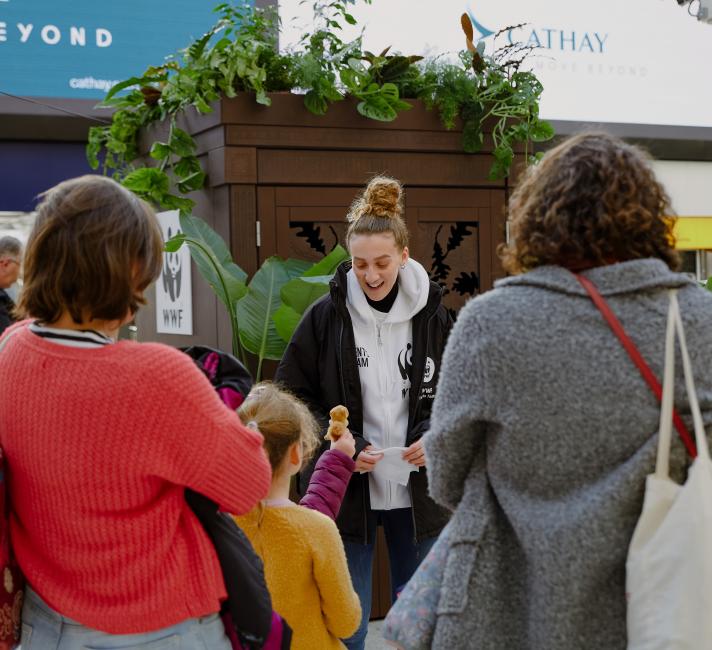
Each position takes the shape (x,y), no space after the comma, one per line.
(454,232)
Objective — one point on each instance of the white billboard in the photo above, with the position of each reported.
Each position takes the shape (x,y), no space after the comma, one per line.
(636,62)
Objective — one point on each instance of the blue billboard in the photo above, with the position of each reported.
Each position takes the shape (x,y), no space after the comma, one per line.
(80,48)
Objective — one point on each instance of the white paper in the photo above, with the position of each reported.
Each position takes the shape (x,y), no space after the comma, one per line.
(392,467)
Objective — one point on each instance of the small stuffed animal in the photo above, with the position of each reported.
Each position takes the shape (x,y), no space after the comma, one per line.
(338,423)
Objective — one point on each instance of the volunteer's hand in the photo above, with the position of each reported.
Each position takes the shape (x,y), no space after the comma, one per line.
(365,462)
(345,444)
(415,454)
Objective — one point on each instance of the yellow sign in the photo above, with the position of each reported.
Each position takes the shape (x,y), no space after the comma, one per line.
(693,233)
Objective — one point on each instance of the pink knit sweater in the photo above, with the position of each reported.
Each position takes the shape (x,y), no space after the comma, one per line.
(100,444)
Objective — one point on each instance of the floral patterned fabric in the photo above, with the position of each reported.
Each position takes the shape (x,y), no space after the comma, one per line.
(410,623)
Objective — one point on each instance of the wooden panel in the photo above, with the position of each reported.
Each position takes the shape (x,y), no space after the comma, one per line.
(243,227)
(356,167)
(318,213)
(288,109)
(211,139)
(450,253)
(232,165)
(266,213)
(448,214)
(381,578)
(454,197)
(499,229)
(307,137)
(313,196)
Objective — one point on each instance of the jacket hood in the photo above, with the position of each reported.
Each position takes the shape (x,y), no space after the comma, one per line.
(610,280)
(413,292)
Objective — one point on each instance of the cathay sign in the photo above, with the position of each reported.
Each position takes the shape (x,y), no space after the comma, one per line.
(79,48)
(636,62)
(547,38)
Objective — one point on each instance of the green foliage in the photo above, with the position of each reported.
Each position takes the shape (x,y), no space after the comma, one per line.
(264,312)
(493,89)
(240,54)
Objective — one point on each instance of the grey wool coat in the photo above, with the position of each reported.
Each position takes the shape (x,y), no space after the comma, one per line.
(542,434)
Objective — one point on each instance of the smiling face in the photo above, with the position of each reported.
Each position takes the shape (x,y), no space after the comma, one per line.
(376,260)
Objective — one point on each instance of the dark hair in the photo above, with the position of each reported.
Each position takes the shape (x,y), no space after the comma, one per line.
(379,209)
(590,201)
(94,249)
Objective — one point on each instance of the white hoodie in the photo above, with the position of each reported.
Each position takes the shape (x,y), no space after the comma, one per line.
(383,354)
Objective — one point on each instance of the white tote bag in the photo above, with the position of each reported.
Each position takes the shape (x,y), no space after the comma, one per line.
(669,567)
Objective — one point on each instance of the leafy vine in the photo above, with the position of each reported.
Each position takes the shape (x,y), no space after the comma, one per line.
(240,54)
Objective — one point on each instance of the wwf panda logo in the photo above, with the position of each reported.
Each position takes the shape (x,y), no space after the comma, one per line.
(172,272)
(429,372)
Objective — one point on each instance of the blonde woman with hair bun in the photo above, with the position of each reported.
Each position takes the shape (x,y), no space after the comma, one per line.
(374,344)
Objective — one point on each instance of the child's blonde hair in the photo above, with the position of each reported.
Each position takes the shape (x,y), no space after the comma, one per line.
(281,419)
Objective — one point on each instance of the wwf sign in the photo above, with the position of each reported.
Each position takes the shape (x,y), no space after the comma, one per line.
(174,290)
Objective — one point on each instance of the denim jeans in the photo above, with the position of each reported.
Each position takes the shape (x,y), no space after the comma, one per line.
(45,629)
(404,556)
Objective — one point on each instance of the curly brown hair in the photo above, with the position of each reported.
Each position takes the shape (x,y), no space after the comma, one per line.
(592,200)
(379,209)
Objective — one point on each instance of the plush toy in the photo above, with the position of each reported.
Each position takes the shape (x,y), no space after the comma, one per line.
(338,423)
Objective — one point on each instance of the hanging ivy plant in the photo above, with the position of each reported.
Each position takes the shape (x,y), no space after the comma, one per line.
(240,54)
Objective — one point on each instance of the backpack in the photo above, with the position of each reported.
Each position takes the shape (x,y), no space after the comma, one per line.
(250,622)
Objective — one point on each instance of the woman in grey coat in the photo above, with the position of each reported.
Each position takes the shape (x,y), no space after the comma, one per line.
(543,430)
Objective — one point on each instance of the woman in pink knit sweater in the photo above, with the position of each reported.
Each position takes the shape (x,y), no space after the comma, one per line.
(101,439)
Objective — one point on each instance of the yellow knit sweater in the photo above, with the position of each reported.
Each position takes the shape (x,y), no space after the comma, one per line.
(306,572)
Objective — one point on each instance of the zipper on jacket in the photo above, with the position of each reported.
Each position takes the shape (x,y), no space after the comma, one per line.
(415,406)
(387,411)
(343,394)
(412,510)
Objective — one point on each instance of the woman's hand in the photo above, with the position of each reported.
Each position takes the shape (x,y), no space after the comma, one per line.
(345,443)
(415,454)
(367,460)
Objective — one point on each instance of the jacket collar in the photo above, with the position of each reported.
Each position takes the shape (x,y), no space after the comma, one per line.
(611,280)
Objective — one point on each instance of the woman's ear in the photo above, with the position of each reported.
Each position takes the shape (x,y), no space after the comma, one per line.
(405,255)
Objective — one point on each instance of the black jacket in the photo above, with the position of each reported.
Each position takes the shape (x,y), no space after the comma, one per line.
(6,307)
(319,366)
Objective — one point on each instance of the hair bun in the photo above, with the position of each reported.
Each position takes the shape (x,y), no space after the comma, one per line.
(382,197)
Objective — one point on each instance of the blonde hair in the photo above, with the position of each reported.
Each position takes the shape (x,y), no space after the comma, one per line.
(379,209)
(282,420)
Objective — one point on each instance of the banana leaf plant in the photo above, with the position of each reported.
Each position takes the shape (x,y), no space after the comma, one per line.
(265,311)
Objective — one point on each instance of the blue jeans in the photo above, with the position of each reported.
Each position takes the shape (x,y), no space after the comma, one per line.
(404,556)
(45,629)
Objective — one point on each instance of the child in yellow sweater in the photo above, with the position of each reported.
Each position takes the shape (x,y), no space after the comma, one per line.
(304,559)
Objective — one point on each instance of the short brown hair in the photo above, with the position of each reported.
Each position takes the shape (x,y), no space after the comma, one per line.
(94,248)
(379,209)
(282,420)
(590,201)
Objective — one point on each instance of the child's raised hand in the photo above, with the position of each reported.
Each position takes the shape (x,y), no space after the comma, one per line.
(345,443)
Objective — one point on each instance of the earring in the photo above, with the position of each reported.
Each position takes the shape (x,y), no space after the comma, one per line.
(402,266)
